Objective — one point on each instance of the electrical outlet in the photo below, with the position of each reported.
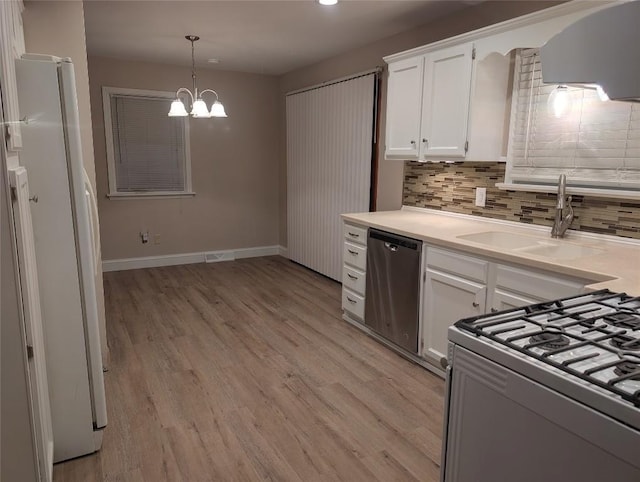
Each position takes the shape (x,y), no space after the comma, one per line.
(144,237)
(156,239)
(481,196)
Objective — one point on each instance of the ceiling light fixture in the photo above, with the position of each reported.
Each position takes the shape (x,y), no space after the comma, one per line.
(198,107)
(559,102)
(327,2)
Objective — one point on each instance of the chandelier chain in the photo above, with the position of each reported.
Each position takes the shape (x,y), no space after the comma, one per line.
(193,67)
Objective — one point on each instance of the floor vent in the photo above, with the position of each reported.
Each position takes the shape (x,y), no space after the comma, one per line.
(216,256)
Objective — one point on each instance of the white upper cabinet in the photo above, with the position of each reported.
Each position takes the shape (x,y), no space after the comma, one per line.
(404,95)
(445,101)
(458,112)
(428,104)
(442,104)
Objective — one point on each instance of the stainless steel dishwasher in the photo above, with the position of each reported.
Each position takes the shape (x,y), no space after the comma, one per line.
(393,288)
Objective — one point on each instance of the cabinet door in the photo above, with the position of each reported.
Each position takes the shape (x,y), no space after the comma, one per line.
(504,300)
(404,99)
(33,330)
(447,299)
(445,105)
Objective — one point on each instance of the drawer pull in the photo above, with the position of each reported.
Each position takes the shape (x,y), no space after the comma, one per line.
(351,276)
(494,310)
(351,301)
(354,235)
(475,304)
(355,253)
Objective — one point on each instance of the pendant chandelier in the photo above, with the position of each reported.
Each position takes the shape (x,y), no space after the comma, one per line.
(198,107)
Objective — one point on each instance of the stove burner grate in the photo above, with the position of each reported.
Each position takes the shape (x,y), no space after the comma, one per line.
(561,343)
(548,340)
(626,343)
(623,319)
(628,367)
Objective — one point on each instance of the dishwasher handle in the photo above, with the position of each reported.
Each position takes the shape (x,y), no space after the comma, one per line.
(394,241)
(391,247)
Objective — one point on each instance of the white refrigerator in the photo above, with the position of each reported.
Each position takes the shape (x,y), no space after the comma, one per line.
(65,245)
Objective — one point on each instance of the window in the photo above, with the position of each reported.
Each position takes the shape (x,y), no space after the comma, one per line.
(147,151)
(595,143)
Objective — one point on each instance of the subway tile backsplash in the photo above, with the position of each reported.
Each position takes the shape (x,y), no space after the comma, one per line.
(450,187)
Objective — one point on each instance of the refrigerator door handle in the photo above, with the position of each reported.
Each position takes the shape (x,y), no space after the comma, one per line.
(93,220)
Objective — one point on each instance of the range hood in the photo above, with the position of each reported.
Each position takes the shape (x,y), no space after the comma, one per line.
(602,48)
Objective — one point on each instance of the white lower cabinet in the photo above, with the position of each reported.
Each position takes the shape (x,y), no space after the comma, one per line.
(504,300)
(354,274)
(446,298)
(515,287)
(460,286)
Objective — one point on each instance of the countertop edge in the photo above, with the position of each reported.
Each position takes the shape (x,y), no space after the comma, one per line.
(597,279)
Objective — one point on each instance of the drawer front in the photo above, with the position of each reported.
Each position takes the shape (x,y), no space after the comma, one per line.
(353,279)
(353,303)
(455,263)
(355,255)
(542,286)
(355,234)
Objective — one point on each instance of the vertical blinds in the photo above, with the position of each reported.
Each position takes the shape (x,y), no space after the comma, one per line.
(595,143)
(149,146)
(329,148)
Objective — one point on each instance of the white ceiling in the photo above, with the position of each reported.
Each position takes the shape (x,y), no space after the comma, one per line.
(263,36)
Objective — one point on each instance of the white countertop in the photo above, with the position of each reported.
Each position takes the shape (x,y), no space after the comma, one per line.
(616,266)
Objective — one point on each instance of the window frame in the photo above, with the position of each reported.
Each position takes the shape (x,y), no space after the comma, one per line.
(107,93)
(602,190)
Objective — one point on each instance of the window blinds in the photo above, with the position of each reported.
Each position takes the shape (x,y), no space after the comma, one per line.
(149,146)
(596,144)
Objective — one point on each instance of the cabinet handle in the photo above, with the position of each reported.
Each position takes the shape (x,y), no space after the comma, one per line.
(351,276)
(354,235)
(34,198)
(413,143)
(351,301)
(355,253)
(425,142)
(494,310)
(475,304)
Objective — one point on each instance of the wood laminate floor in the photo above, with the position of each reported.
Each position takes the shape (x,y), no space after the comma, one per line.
(245,371)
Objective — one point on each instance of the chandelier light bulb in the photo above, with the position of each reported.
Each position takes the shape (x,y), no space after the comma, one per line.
(217,110)
(177,109)
(200,109)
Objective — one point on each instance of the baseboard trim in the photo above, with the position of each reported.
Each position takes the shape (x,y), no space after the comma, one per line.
(188,258)
(283,251)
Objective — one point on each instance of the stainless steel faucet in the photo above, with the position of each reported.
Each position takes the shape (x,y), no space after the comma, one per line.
(564,211)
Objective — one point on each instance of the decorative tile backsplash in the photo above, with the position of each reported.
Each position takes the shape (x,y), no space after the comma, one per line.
(450,187)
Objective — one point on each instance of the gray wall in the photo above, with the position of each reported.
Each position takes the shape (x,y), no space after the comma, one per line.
(390,173)
(234,166)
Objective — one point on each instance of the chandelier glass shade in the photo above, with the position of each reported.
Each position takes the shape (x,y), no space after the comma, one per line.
(199,108)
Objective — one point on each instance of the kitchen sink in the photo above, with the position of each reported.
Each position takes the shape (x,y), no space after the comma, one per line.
(560,251)
(531,245)
(501,239)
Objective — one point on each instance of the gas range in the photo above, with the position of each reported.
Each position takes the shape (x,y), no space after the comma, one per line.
(586,347)
(557,382)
